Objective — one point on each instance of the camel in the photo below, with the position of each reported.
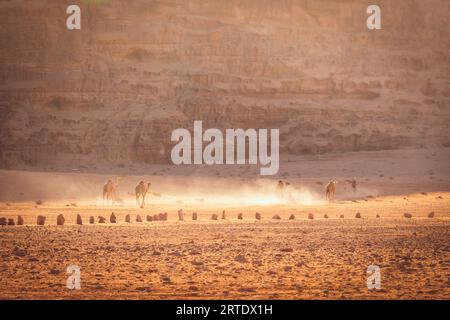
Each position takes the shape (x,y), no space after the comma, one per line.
(330,189)
(109,191)
(353,183)
(281,188)
(141,190)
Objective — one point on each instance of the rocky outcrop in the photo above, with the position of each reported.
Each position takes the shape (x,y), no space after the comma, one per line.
(99,96)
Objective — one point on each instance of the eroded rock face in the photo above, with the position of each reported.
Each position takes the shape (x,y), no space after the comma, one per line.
(99,96)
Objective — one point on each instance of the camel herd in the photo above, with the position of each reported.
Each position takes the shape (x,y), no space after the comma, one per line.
(142,188)
(110,192)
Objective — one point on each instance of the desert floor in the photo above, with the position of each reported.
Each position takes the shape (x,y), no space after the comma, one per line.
(325,258)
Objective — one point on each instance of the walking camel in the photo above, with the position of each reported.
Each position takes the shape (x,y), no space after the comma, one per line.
(330,190)
(141,190)
(109,192)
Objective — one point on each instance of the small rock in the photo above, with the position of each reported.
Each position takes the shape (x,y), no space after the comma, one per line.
(40,220)
(325,216)
(54,271)
(240,258)
(19,252)
(378,216)
(39,202)
(310,216)
(276,217)
(79,220)
(223,215)
(258,216)
(341,216)
(214,217)
(431,214)
(407,215)
(194,215)
(60,220)
(3,222)
(138,218)
(149,218)
(11,222)
(127,218)
(180,215)
(165,216)
(292,217)
(91,220)
(101,219)
(240,216)
(113,218)
(358,215)
(155,217)
(20,221)
(197,263)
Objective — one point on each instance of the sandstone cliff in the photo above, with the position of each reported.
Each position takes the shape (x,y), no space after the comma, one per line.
(112,92)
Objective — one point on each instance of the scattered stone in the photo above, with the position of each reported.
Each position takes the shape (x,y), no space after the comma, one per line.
(40,220)
(91,220)
(407,215)
(19,252)
(113,218)
(358,215)
(11,222)
(240,258)
(214,217)
(276,217)
(60,220)
(54,271)
(180,215)
(310,216)
(287,249)
(223,215)
(149,218)
(39,202)
(138,218)
(79,220)
(194,216)
(341,216)
(101,219)
(378,215)
(325,216)
(431,214)
(3,221)
(240,216)
(258,216)
(20,221)
(127,218)
(197,263)
(155,217)
(165,216)
(291,217)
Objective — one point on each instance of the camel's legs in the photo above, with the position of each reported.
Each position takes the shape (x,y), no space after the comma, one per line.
(137,199)
(143,200)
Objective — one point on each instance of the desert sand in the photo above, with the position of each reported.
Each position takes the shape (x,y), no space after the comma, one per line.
(324,258)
